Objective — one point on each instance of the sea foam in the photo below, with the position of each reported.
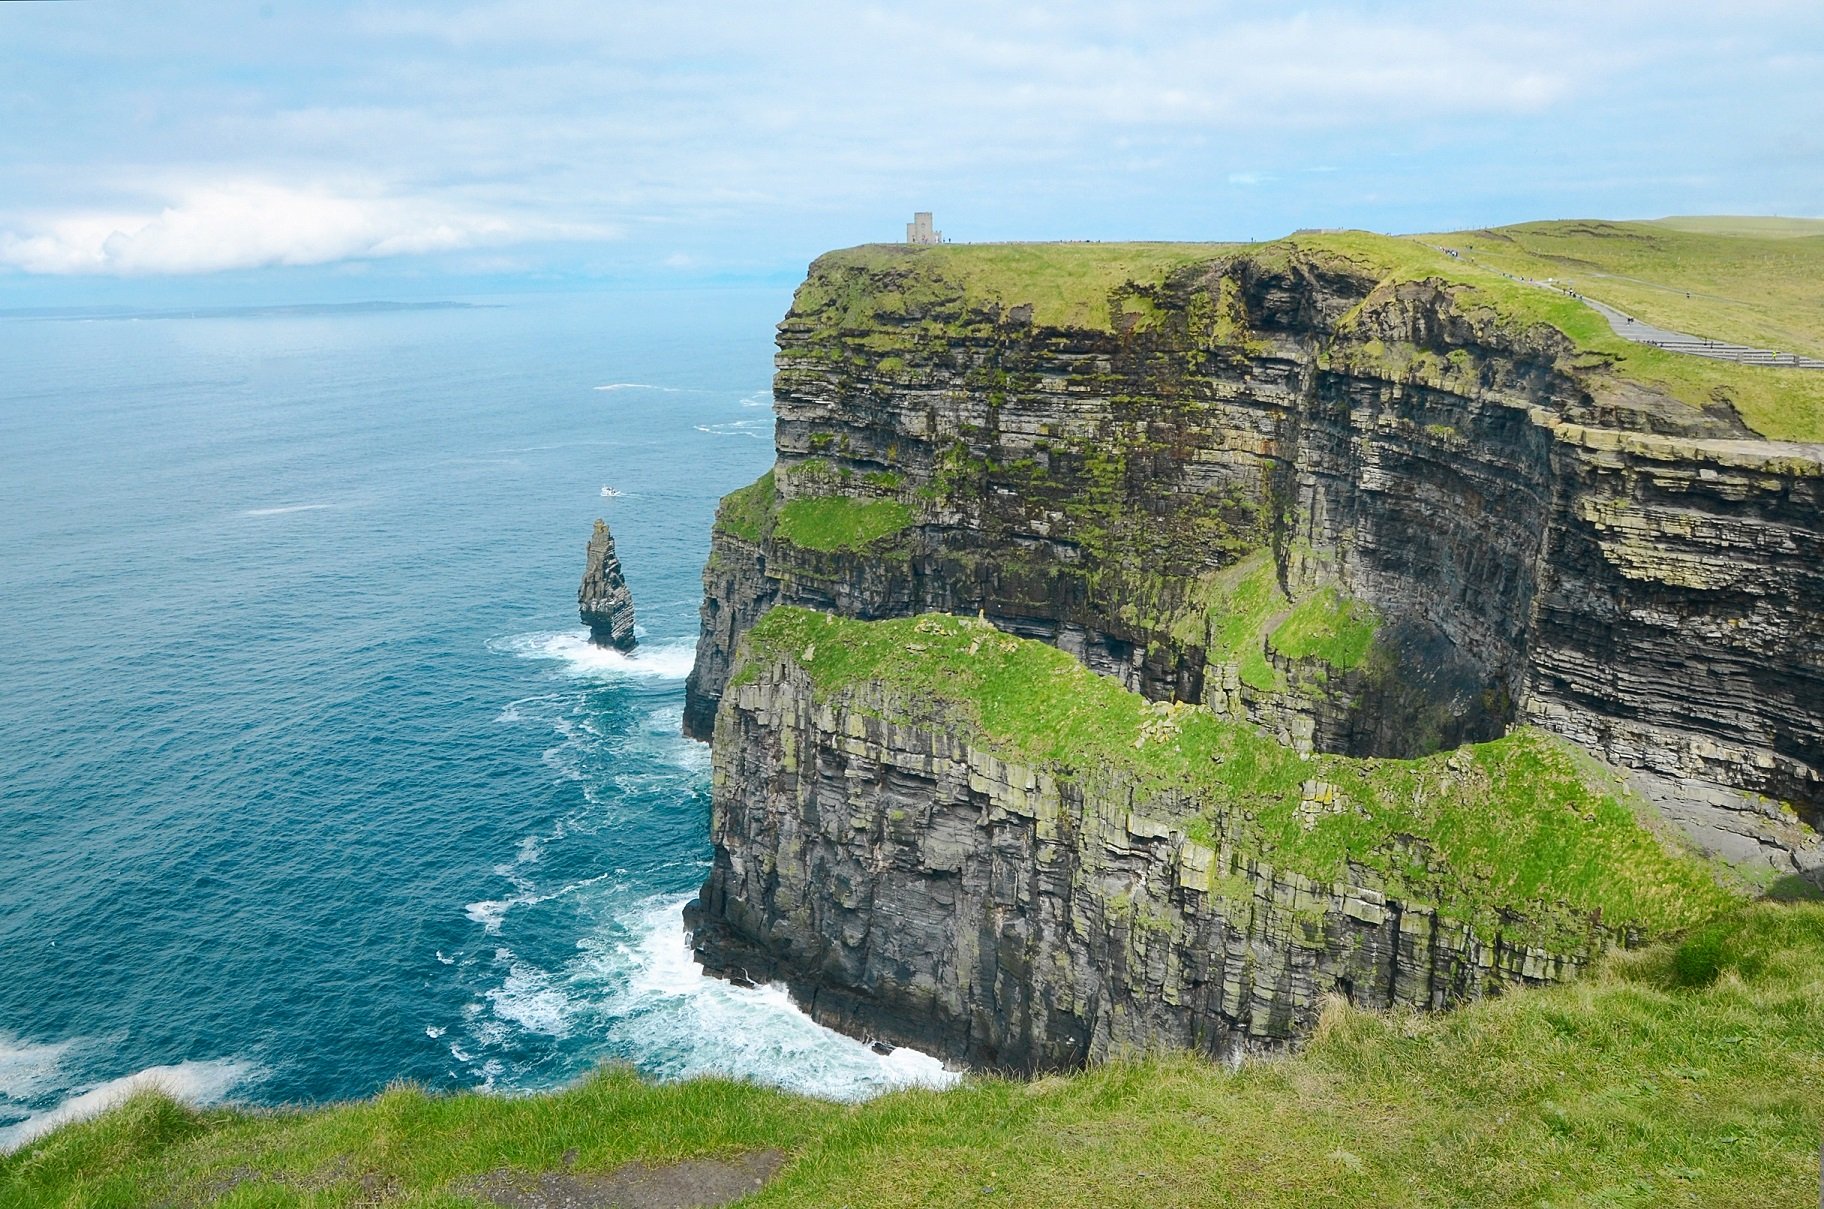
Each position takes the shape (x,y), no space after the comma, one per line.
(29,1070)
(758,429)
(698,1025)
(191,1082)
(637,988)
(286,509)
(666,660)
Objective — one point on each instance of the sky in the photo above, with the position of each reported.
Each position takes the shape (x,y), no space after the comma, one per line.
(322,151)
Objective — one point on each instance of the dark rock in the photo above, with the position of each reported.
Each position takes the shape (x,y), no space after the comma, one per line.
(1541,541)
(908,886)
(603,600)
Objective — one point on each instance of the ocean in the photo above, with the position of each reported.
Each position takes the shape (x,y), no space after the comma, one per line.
(309,781)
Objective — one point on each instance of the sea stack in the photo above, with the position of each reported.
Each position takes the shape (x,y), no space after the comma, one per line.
(604,601)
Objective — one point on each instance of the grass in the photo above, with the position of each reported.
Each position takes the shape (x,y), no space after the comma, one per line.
(1744,281)
(1512,835)
(1244,598)
(1065,284)
(748,512)
(1328,627)
(1750,282)
(1688,1073)
(1781,404)
(1738,280)
(840,522)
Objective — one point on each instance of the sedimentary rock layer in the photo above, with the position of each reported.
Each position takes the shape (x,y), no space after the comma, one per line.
(605,604)
(910,885)
(1538,540)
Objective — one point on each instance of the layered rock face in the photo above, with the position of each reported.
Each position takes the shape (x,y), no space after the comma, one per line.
(605,604)
(1370,516)
(913,887)
(1537,540)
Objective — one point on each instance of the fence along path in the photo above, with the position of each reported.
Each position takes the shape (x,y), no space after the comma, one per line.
(1630,328)
(1627,326)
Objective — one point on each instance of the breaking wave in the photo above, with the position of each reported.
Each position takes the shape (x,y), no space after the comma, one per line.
(635,987)
(669,659)
(192,1082)
(286,509)
(755,428)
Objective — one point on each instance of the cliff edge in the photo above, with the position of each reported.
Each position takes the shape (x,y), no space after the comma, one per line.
(1343,491)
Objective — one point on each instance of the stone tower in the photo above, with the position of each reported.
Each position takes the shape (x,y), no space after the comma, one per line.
(919,230)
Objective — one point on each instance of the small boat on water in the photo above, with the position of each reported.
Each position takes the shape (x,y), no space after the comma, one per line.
(609,493)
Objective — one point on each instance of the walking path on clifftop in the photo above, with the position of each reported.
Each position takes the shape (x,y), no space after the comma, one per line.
(1627,326)
(1630,328)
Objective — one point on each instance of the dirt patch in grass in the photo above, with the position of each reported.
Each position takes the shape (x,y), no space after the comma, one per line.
(686,1184)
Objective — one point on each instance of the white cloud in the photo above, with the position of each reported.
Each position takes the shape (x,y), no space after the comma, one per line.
(251,224)
(506,127)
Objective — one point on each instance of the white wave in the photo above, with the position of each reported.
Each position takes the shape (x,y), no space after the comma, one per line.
(191,1082)
(756,428)
(285,509)
(490,913)
(529,999)
(492,1032)
(692,756)
(703,1025)
(442,960)
(30,1070)
(668,660)
(760,398)
(613,386)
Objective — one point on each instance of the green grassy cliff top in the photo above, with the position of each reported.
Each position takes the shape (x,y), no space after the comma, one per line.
(1066,284)
(1522,824)
(1750,281)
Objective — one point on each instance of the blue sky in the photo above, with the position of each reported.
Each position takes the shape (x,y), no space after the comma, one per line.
(300,151)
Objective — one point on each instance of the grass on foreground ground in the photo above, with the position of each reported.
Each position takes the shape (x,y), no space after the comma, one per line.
(1689,1073)
(1515,826)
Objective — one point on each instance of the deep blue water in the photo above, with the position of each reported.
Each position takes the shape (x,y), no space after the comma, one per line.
(308,780)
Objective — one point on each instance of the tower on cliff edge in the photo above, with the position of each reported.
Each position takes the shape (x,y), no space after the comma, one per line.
(919,230)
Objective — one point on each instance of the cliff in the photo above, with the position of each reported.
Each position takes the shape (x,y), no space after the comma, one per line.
(1338,490)
(942,835)
(1530,537)
(603,601)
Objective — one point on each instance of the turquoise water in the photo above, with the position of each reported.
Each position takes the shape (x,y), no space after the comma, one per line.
(308,780)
